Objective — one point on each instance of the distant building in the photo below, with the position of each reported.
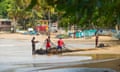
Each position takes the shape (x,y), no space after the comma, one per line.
(54,27)
(5,24)
(43,25)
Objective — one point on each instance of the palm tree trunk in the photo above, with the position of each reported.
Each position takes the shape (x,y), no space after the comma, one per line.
(116,27)
(14,25)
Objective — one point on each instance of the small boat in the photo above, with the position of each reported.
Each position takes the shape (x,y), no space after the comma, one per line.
(51,51)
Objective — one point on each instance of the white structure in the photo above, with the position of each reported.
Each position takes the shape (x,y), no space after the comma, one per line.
(5,24)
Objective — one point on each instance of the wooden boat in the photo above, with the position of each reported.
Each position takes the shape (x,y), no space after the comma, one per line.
(51,51)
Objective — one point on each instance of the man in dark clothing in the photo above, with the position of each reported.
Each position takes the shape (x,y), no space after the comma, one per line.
(33,45)
(96,40)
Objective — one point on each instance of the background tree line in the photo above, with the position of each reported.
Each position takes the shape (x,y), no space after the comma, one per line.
(83,14)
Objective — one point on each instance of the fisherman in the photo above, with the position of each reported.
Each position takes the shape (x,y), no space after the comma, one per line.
(96,40)
(60,44)
(48,44)
(33,45)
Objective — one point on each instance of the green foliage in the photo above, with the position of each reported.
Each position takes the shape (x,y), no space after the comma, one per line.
(101,13)
(32,4)
(81,13)
(4,5)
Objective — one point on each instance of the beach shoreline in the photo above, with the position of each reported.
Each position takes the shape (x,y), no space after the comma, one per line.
(113,45)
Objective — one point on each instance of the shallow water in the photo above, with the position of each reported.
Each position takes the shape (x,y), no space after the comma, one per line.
(79,70)
(97,56)
(15,56)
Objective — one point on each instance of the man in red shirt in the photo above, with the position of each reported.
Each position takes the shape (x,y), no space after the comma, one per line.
(60,44)
(48,44)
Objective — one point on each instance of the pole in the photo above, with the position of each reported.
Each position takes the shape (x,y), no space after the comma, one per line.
(49,23)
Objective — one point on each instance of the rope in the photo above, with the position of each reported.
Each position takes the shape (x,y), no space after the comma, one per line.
(38,44)
(53,44)
(42,44)
(68,46)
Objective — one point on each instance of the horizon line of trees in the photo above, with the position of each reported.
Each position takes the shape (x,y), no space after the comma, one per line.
(84,14)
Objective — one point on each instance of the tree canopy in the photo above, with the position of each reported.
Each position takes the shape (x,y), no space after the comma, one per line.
(81,13)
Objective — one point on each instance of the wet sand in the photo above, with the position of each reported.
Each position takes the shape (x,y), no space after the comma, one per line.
(110,61)
(108,64)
